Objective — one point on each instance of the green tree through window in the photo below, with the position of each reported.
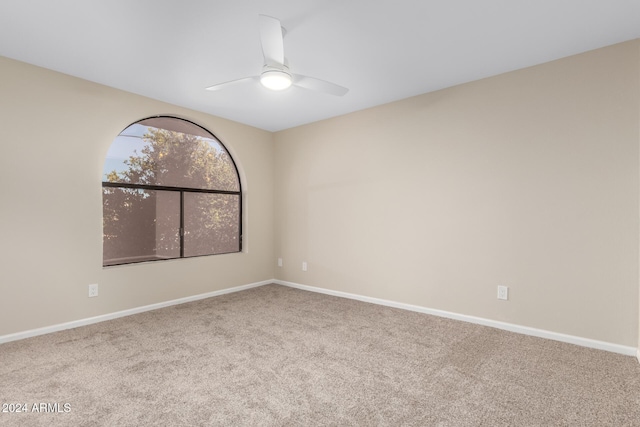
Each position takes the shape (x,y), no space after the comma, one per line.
(170,190)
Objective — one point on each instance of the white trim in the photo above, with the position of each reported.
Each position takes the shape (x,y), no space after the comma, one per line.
(584,342)
(88,321)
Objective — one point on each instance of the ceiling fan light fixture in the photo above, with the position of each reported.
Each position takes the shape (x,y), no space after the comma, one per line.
(275,79)
(275,71)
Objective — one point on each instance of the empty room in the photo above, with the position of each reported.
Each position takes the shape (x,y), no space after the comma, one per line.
(279,212)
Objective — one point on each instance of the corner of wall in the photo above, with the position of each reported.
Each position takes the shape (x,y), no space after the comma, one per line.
(638,95)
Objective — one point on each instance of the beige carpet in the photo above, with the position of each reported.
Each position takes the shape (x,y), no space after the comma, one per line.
(279,356)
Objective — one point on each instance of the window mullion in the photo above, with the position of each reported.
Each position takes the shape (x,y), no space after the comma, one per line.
(181,224)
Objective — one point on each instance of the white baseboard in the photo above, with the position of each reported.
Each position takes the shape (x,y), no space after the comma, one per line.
(584,342)
(638,353)
(88,321)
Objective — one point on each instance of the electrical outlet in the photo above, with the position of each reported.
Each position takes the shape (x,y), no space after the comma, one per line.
(279,262)
(304,265)
(93,290)
(503,292)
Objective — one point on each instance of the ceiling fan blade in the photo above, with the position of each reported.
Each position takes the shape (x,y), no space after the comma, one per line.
(318,85)
(272,40)
(228,84)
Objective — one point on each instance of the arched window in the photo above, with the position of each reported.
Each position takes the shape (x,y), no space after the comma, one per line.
(170,190)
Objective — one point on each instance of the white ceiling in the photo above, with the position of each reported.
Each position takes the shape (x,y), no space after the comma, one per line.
(382,50)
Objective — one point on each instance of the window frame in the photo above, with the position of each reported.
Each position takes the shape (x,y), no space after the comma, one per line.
(182,191)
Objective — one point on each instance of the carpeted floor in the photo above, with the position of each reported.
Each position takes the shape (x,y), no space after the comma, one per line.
(280,356)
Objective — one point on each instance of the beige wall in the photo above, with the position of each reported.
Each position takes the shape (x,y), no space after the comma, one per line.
(528,179)
(55,132)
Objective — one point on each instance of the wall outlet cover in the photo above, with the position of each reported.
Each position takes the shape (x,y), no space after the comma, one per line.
(93,290)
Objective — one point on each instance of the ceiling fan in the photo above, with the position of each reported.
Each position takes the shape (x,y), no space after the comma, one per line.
(275,73)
